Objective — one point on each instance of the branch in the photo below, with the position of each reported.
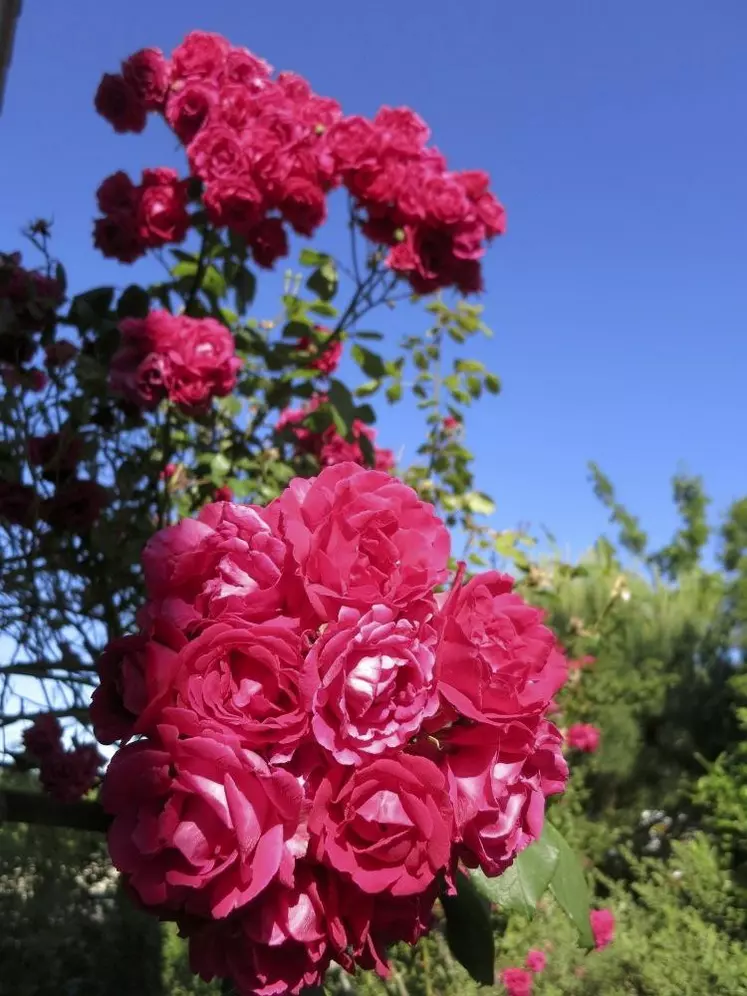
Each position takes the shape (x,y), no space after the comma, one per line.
(42,810)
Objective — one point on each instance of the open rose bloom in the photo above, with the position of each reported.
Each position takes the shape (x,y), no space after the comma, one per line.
(319,723)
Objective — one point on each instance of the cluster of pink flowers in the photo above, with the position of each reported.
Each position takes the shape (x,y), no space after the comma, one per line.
(268,151)
(67,774)
(326,356)
(187,360)
(28,300)
(329,447)
(321,735)
(583,737)
(520,981)
(137,218)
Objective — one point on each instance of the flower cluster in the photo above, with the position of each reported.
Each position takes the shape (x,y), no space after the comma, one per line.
(268,151)
(187,360)
(66,774)
(28,300)
(329,447)
(321,735)
(137,218)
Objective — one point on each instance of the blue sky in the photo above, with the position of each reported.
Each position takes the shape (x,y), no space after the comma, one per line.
(615,135)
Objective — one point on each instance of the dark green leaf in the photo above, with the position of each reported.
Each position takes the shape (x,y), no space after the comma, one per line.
(469,932)
(521,886)
(134,302)
(394,392)
(297,330)
(89,309)
(213,282)
(370,363)
(492,383)
(342,400)
(366,414)
(323,281)
(369,335)
(245,285)
(569,887)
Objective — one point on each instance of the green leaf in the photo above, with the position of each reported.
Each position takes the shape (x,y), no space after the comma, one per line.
(367,389)
(245,284)
(492,383)
(61,277)
(370,363)
(365,413)
(342,401)
(369,335)
(479,503)
(213,281)
(323,308)
(469,366)
(310,257)
(469,932)
(219,467)
(184,268)
(297,330)
(569,887)
(522,885)
(134,302)
(324,281)
(394,392)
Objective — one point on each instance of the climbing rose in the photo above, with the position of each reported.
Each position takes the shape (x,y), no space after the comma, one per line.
(198,823)
(361,537)
(387,825)
(68,775)
(44,736)
(118,102)
(583,737)
(603,927)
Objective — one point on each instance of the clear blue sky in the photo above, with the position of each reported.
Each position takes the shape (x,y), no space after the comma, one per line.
(616,135)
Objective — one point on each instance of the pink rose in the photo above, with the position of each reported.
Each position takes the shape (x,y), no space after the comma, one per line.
(44,736)
(243,67)
(223,493)
(75,506)
(60,353)
(304,205)
(235,203)
(377,682)
(268,242)
(517,982)
(227,561)
(216,154)
(247,678)
(603,928)
(199,825)
(201,55)
(148,73)
(445,201)
(387,825)
(117,193)
(133,670)
(353,141)
(536,961)
(68,775)
(326,354)
(276,947)
(188,108)
(583,737)
(162,211)
(496,658)
(499,781)
(361,537)
(58,454)
(204,366)
(119,104)
(402,130)
(116,237)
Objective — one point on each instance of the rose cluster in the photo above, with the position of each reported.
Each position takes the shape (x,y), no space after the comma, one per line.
(67,774)
(268,151)
(140,217)
(321,735)
(187,360)
(329,447)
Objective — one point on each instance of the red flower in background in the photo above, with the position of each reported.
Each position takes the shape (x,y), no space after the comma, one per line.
(517,982)
(583,737)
